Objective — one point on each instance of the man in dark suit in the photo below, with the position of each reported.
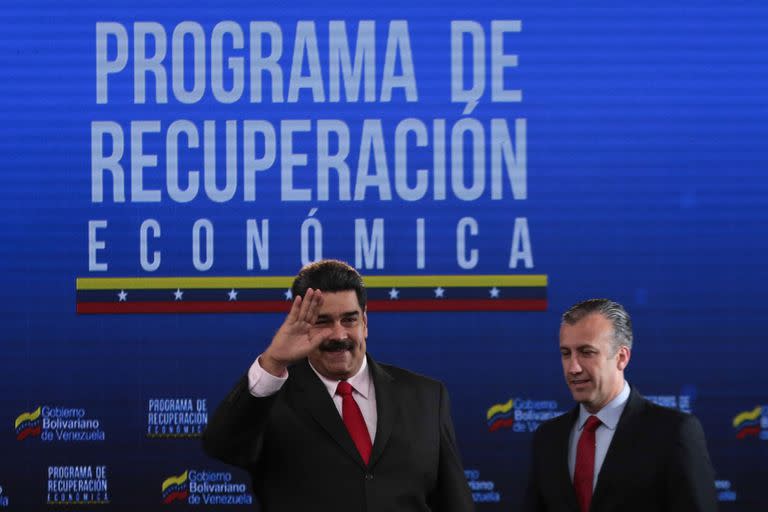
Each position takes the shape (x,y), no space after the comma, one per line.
(615,451)
(322,426)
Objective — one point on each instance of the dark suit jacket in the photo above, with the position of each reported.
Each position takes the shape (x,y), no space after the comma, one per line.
(657,462)
(302,458)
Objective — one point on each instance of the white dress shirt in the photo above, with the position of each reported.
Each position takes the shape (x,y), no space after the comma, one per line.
(261,383)
(609,416)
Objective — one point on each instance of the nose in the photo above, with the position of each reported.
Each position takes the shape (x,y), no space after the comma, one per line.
(573,365)
(339,332)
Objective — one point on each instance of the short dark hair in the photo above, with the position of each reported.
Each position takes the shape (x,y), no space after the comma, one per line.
(330,276)
(613,311)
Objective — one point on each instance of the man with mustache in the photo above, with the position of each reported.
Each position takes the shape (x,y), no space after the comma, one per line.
(322,426)
(616,451)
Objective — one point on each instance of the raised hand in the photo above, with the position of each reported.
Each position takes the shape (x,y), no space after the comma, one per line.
(296,338)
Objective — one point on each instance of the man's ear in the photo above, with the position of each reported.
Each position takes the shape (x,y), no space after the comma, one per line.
(622,357)
(365,323)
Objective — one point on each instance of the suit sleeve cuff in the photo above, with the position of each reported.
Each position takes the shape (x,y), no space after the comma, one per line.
(261,383)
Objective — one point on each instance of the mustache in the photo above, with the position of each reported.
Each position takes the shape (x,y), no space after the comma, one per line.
(337,345)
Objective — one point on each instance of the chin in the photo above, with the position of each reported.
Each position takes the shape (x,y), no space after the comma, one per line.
(583,398)
(339,368)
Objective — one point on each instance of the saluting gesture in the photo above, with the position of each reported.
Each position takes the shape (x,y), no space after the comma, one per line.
(296,338)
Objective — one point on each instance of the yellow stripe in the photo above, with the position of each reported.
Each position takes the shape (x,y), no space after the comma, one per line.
(155,283)
(747,416)
(454,281)
(177,480)
(499,408)
(28,416)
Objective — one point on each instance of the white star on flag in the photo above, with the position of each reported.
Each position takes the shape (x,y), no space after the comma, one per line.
(122,296)
(494,293)
(394,294)
(288,294)
(439,292)
(232,294)
(178,294)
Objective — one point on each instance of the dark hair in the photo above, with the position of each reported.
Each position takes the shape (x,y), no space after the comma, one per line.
(330,276)
(613,311)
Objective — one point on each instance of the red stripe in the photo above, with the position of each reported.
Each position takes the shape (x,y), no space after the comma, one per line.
(27,432)
(748,431)
(176,496)
(282,306)
(505,423)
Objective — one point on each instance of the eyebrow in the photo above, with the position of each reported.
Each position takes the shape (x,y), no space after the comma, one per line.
(346,314)
(579,347)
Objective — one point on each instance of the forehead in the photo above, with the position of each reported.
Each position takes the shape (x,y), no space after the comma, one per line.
(339,303)
(593,329)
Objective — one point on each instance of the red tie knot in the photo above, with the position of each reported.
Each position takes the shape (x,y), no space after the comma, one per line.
(592,423)
(344,388)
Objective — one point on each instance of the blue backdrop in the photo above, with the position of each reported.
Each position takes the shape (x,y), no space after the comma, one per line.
(607,150)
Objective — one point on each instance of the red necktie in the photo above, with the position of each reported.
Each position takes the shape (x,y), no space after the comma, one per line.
(353,419)
(584,472)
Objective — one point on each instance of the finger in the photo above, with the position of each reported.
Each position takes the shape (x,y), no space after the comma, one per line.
(314,307)
(306,303)
(293,314)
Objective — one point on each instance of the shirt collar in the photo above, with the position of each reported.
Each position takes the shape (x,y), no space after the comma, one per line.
(610,414)
(360,382)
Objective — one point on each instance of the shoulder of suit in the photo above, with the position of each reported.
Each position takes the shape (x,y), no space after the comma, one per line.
(408,376)
(665,415)
(661,411)
(557,423)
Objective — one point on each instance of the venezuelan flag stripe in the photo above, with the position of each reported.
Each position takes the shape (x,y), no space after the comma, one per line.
(747,416)
(499,408)
(748,431)
(503,423)
(175,480)
(254,294)
(30,431)
(284,282)
(272,294)
(284,306)
(28,416)
(176,496)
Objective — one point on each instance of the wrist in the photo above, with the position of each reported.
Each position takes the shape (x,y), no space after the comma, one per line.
(272,365)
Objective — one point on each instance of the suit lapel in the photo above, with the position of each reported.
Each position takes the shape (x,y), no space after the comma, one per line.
(622,447)
(313,396)
(561,450)
(386,408)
